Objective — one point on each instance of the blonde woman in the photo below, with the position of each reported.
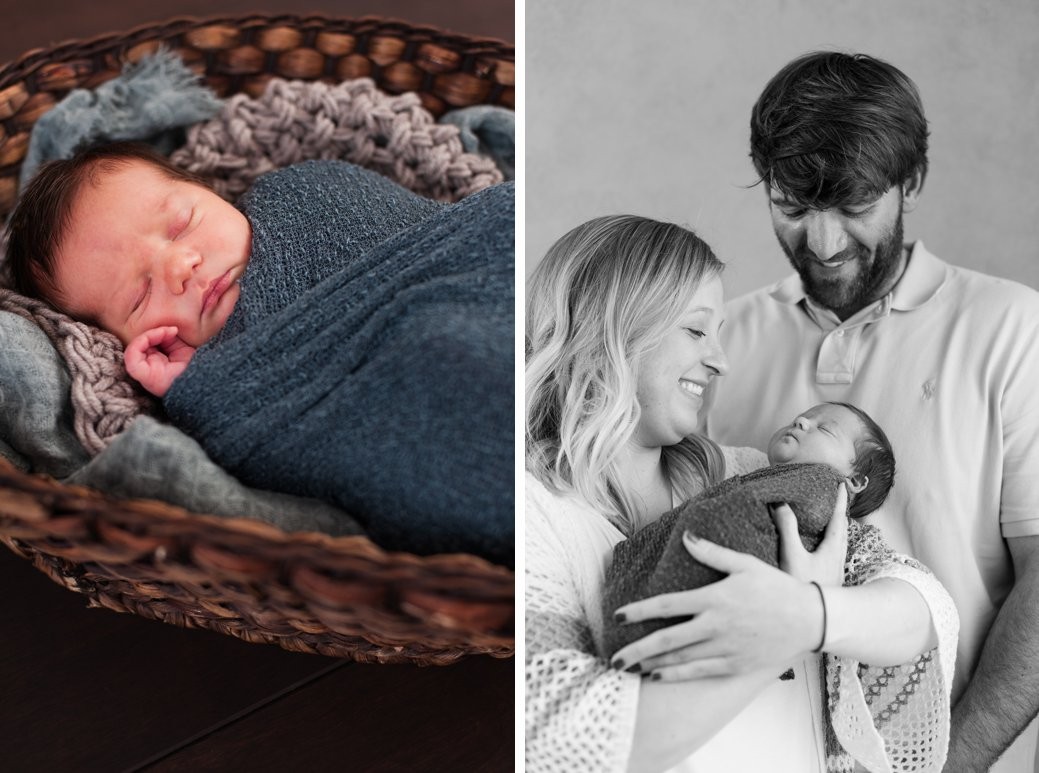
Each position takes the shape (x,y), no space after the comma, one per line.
(622,338)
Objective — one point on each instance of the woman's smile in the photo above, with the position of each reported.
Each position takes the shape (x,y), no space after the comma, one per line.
(693,388)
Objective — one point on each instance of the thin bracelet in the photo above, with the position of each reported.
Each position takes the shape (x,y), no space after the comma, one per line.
(822,598)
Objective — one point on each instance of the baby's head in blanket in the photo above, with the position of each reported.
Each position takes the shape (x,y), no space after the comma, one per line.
(847,439)
(119,237)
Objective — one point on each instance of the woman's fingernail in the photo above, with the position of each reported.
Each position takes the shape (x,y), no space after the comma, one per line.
(620,617)
(688,536)
(635,669)
(655,676)
(618,664)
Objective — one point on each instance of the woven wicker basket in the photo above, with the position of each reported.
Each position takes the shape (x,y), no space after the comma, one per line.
(340,596)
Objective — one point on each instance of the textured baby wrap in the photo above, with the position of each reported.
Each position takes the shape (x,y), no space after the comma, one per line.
(735,514)
(369,359)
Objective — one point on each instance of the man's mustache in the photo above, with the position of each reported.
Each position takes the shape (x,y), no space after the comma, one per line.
(849,253)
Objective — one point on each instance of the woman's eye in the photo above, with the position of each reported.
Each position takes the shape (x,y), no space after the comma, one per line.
(695,333)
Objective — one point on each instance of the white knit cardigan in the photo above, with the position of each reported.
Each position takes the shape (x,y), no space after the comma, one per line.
(580,713)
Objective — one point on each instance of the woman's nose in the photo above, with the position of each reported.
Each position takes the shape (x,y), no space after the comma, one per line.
(824,234)
(717,361)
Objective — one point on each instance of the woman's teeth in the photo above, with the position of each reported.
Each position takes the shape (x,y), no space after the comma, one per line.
(691,387)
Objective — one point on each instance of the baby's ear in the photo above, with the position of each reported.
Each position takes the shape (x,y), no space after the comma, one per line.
(856,483)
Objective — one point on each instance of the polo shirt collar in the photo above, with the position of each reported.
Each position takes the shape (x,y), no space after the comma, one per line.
(923,277)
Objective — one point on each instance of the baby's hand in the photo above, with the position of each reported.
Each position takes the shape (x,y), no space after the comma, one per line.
(156,357)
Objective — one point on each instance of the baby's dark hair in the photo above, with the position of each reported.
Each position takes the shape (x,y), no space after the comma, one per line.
(875,459)
(41,218)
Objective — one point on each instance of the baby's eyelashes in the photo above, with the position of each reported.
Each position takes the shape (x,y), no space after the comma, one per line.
(142,297)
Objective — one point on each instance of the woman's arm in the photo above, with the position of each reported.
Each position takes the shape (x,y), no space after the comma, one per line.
(760,615)
(580,713)
(675,719)
(884,623)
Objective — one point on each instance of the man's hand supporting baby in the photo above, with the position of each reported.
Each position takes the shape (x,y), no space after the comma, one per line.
(156,357)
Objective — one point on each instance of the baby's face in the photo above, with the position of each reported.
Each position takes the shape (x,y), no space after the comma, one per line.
(143,251)
(825,434)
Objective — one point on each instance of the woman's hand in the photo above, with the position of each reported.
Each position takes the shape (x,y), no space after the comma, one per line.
(758,617)
(156,357)
(826,565)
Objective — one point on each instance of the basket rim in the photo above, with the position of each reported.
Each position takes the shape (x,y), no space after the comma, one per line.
(31,60)
(109,508)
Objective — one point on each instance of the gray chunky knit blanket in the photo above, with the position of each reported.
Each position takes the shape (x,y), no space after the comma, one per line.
(369,359)
(733,513)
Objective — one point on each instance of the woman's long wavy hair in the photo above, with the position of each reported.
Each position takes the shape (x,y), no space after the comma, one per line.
(604,296)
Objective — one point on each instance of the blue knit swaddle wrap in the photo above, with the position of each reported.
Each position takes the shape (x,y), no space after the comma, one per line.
(369,359)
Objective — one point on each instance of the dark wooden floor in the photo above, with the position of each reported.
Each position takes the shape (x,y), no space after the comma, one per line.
(91,690)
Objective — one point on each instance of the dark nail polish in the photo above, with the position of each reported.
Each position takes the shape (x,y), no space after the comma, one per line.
(620,617)
(618,664)
(635,669)
(655,676)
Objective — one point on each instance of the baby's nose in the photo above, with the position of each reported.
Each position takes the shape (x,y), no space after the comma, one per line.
(801,423)
(179,268)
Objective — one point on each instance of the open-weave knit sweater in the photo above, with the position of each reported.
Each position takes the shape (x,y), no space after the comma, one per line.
(581,713)
(734,513)
(369,359)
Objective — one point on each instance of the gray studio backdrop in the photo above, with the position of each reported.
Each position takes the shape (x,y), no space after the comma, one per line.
(642,106)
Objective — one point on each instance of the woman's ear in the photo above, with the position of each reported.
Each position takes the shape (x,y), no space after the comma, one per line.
(856,483)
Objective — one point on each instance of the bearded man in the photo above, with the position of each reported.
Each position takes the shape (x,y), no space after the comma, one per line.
(945,359)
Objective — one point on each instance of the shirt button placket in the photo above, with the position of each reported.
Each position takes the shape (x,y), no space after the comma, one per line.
(835,365)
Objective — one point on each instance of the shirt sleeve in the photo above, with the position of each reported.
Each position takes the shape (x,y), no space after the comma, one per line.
(580,713)
(896,719)
(1019,411)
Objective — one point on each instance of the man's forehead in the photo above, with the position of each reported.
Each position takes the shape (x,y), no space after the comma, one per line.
(777,196)
(828,194)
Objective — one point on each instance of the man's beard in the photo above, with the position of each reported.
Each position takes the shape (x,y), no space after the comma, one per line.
(846,296)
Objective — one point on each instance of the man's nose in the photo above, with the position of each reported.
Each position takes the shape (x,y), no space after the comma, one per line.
(179,268)
(824,234)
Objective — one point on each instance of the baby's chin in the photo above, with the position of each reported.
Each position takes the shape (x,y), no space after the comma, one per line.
(778,453)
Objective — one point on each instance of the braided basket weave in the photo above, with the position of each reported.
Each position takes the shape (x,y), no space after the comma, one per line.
(307,592)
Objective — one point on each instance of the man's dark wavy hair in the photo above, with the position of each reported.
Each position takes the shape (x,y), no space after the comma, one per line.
(875,459)
(833,128)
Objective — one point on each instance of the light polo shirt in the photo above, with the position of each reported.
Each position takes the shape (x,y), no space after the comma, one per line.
(948,365)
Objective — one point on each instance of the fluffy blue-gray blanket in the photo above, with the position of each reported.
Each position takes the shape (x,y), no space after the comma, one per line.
(369,360)
(149,101)
(734,513)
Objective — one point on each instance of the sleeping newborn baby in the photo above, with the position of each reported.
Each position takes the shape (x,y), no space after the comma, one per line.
(333,336)
(829,445)
(119,237)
